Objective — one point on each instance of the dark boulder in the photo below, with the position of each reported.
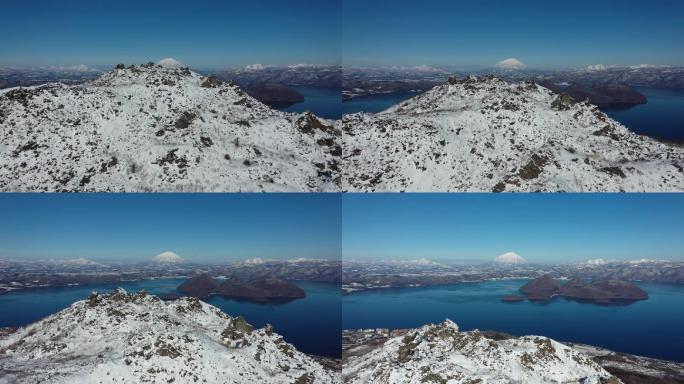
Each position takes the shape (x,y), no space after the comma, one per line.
(563,102)
(211,82)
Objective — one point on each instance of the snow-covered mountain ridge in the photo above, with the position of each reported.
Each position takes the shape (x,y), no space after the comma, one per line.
(138,338)
(484,134)
(443,354)
(153,128)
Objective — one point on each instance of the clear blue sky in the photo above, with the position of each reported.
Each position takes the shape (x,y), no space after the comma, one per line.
(544,228)
(199,227)
(199,33)
(540,33)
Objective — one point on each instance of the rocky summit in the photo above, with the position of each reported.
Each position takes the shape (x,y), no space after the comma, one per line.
(160,128)
(138,338)
(443,354)
(487,135)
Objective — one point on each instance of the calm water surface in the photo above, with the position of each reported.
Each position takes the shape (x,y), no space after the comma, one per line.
(648,328)
(323,102)
(662,117)
(311,324)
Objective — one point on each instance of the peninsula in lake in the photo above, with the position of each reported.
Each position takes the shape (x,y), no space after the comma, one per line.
(260,290)
(545,288)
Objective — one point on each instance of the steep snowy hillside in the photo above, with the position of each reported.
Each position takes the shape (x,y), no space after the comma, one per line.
(137,338)
(484,134)
(159,128)
(441,354)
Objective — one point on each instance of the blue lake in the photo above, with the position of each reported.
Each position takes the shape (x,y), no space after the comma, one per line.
(661,118)
(375,103)
(311,324)
(323,102)
(648,328)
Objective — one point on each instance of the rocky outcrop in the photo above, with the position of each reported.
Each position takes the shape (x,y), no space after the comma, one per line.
(441,353)
(138,338)
(483,134)
(170,129)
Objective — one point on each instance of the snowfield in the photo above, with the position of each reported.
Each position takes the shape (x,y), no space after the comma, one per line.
(160,128)
(138,338)
(442,354)
(484,134)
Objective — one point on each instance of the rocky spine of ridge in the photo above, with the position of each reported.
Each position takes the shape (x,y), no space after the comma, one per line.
(443,354)
(487,135)
(258,290)
(122,337)
(151,128)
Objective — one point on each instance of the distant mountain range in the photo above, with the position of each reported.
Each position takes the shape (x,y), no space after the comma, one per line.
(362,81)
(363,275)
(19,275)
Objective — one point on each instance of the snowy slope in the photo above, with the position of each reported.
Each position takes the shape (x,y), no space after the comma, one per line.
(154,128)
(441,354)
(483,134)
(137,338)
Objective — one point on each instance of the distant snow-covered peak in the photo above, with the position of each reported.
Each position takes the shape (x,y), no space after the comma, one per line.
(510,258)
(423,261)
(598,261)
(510,64)
(254,67)
(170,62)
(168,258)
(596,68)
(254,261)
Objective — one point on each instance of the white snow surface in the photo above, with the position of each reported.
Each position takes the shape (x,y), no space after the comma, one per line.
(170,62)
(168,257)
(596,68)
(510,64)
(150,128)
(485,134)
(441,353)
(510,258)
(138,338)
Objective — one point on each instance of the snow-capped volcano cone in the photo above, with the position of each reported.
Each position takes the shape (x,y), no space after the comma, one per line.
(138,338)
(160,128)
(487,135)
(170,63)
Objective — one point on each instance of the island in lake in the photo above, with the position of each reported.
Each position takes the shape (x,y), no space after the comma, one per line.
(258,290)
(545,288)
